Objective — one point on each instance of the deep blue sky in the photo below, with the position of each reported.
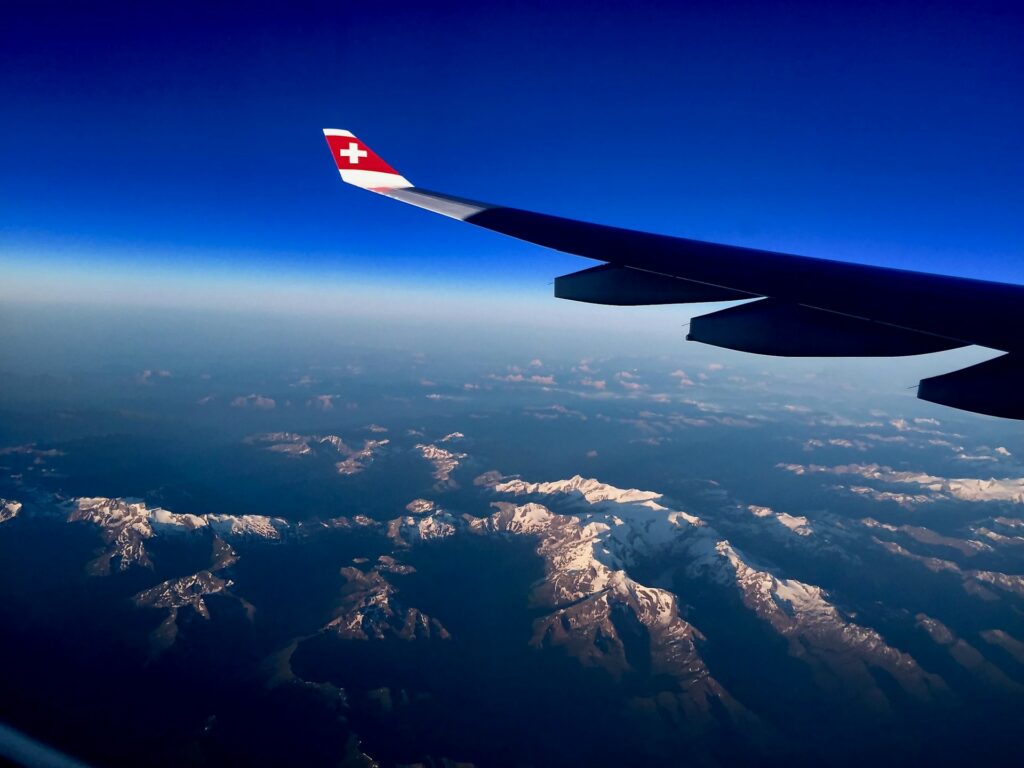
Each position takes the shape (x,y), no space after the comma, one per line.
(882,132)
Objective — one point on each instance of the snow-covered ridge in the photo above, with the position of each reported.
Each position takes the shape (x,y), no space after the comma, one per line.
(604,532)
(629,526)
(583,587)
(128,523)
(938,488)
(1006,641)
(445,462)
(9,510)
(905,500)
(191,591)
(966,655)
(404,531)
(998,539)
(586,586)
(798,524)
(975,581)
(357,461)
(371,609)
(591,489)
(420,506)
(816,630)
(353,461)
(967,547)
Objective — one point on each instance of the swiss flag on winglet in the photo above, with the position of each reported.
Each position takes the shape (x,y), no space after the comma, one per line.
(360,165)
(352,155)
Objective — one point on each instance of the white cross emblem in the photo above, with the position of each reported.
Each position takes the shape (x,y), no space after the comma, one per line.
(353,153)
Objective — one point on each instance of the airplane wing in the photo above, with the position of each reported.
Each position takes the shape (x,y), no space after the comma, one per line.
(799,306)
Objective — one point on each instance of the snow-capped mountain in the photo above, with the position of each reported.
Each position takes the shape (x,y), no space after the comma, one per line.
(818,633)
(352,461)
(618,564)
(628,526)
(586,602)
(371,608)
(975,581)
(931,487)
(605,531)
(9,509)
(190,591)
(444,461)
(127,524)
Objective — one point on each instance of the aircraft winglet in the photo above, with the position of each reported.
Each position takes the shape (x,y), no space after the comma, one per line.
(360,165)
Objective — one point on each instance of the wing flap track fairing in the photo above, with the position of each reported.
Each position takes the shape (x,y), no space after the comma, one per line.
(771,327)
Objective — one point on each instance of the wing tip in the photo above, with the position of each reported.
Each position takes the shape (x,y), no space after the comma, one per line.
(361,166)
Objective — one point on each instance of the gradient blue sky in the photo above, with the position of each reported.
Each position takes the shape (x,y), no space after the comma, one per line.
(187,137)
